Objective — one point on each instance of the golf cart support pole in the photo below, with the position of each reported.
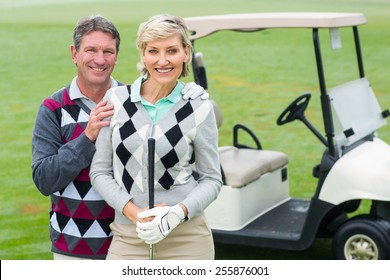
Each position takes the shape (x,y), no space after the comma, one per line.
(325,103)
(358,51)
(151,151)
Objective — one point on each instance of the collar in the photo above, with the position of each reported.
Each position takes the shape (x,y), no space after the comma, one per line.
(173,97)
(75,93)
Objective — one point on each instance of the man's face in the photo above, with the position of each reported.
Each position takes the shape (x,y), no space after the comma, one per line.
(95,59)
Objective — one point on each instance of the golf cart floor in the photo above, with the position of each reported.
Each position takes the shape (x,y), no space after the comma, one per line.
(284,222)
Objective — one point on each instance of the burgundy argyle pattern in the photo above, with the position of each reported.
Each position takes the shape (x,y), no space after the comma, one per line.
(79,217)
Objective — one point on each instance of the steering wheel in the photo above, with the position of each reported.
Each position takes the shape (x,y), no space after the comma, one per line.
(295,110)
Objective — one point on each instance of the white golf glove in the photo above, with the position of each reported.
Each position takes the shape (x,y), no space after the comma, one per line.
(193,91)
(165,220)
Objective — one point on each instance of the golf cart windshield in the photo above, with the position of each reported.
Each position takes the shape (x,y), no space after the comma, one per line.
(356,111)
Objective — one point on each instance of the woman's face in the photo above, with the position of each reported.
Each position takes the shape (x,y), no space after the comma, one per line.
(164,59)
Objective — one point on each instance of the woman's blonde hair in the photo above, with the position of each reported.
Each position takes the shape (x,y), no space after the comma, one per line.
(160,27)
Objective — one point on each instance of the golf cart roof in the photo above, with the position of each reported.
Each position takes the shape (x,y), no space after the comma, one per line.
(204,25)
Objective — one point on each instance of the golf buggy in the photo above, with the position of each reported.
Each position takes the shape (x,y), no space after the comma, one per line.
(254,207)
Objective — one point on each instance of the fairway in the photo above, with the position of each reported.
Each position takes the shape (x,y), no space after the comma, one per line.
(279,66)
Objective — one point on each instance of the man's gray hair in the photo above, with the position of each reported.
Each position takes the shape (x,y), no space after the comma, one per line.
(94,23)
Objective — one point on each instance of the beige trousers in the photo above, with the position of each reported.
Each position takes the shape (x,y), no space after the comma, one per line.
(191,240)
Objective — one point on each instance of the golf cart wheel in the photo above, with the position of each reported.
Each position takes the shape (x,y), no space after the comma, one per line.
(362,238)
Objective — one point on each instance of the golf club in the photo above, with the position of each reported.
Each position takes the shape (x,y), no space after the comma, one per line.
(151,151)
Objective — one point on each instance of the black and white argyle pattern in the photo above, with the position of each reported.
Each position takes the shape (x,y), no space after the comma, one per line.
(174,136)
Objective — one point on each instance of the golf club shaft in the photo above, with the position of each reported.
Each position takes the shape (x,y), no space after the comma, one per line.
(151,151)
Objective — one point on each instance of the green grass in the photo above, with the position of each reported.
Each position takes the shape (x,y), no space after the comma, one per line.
(279,65)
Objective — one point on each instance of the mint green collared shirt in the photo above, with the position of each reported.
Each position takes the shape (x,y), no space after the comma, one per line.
(158,110)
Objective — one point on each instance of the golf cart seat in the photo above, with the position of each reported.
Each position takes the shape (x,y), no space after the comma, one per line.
(241,164)
(248,173)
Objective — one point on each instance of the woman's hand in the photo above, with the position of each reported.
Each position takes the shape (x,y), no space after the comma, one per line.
(164,220)
(131,212)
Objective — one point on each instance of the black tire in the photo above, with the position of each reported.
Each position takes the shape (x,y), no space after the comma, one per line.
(362,238)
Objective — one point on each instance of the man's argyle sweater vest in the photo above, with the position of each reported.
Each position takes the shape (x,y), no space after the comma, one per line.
(79,217)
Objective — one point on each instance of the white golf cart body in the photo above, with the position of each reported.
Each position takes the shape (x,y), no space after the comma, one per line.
(254,207)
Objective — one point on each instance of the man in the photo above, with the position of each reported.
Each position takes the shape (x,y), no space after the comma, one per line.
(66,127)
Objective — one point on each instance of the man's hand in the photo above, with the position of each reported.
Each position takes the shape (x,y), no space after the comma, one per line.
(165,220)
(97,119)
(193,91)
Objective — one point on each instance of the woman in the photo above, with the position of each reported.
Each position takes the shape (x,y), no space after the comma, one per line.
(181,129)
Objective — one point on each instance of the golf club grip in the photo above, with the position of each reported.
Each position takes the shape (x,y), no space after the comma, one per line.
(151,151)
